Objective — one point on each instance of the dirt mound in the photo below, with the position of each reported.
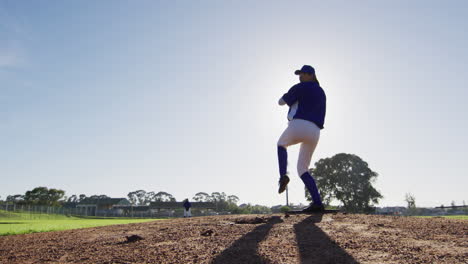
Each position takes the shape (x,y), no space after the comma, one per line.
(251,239)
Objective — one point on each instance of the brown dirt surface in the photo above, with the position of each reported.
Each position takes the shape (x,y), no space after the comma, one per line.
(339,238)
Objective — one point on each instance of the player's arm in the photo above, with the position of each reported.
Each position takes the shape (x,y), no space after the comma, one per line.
(291,96)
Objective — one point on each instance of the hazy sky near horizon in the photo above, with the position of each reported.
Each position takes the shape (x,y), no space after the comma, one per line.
(108,97)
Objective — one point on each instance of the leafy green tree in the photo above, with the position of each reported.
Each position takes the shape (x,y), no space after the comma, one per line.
(254,209)
(411,204)
(44,196)
(99,196)
(17,198)
(220,199)
(141,197)
(149,197)
(233,199)
(72,199)
(260,209)
(348,179)
(202,197)
(216,197)
(55,197)
(164,197)
(285,208)
(81,197)
(132,197)
(223,201)
(410,200)
(37,196)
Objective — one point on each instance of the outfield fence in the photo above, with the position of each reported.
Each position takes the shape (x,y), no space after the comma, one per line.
(38,211)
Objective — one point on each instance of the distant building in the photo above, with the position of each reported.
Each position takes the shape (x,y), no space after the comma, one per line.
(90,206)
(69,205)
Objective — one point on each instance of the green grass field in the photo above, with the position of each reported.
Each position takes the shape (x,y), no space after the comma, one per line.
(24,223)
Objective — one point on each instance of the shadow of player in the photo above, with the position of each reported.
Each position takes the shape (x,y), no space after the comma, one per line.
(315,246)
(245,249)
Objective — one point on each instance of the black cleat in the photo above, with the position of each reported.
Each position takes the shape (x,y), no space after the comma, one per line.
(313,208)
(283,182)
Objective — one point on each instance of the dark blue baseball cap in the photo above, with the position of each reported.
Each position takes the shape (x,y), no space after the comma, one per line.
(305,69)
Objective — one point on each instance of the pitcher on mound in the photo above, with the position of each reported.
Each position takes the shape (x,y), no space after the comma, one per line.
(307,107)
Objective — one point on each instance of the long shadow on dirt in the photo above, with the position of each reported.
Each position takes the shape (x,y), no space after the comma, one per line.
(245,249)
(316,247)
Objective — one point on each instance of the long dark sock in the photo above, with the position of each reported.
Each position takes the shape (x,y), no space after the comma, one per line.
(282,160)
(312,187)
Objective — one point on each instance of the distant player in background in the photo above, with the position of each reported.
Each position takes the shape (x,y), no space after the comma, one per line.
(187,205)
(307,106)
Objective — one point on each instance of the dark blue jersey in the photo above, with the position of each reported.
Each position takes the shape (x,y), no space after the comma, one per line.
(307,101)
(187,205)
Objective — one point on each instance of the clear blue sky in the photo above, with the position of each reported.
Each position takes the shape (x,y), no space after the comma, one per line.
(107,97)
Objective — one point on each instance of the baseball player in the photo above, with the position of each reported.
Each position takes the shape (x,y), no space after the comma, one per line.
(307,105)
(187,205)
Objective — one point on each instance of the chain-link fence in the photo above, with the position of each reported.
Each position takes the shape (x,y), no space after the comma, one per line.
(33,211)
(50,212)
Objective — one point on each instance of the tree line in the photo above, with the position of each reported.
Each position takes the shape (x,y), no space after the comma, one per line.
(142,197)
(43,196)
(56,197)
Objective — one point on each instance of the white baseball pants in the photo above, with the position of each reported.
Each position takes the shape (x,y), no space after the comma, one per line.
(305,132)
(187,213)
